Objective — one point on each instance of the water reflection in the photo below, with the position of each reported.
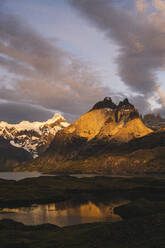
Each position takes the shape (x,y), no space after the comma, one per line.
(64,214)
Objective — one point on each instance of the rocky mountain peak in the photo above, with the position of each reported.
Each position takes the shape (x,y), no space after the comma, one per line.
(106,120)
(126,111)
(55,117)
(105,124)
(107,99)
(123,111)
(106,103)
(125,104)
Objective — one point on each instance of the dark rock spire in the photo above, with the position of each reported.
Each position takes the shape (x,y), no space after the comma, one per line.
(106,103)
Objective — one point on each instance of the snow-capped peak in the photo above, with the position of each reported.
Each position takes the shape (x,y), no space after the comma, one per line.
(56,117)
(34,137)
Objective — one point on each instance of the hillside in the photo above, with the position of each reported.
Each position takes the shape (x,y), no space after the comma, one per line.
(10,156)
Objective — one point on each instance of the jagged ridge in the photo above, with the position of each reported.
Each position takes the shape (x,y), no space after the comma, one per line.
(113,122)
(35,137)
(101,124)
(109,138)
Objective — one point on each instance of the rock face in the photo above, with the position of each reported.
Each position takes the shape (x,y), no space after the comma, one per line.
(153,121)
(123,125)
(106,103)
(34,137)
(105,121)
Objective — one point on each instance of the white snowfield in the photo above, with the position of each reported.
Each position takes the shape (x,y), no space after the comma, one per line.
(34,137)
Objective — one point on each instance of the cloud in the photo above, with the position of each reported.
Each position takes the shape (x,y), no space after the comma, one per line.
(140,40)
(157,17)
(162,96)
(41,73)
(13,112)
(38,72)
(159,5)
(141,5)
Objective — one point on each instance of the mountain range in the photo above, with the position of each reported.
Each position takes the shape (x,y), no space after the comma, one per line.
(109,138)
(34,137)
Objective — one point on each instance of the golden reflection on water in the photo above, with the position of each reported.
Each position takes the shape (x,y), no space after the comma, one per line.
(63,214)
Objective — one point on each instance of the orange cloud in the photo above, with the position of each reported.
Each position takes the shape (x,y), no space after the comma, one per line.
(141,5)
(159,5)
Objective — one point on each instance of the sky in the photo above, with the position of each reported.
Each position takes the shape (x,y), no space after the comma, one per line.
(65,55)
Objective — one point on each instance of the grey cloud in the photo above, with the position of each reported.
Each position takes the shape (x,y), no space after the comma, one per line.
(13,112)
(42,73)
(141,43)
(141,104)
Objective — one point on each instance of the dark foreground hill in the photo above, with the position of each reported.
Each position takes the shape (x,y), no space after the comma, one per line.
(10,156)
(143,224)
(144,232)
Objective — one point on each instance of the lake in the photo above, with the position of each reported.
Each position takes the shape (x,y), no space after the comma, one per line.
(21,175)
(64,213)
(18,175)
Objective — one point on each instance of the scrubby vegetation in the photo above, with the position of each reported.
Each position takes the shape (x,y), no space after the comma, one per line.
(59,188)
